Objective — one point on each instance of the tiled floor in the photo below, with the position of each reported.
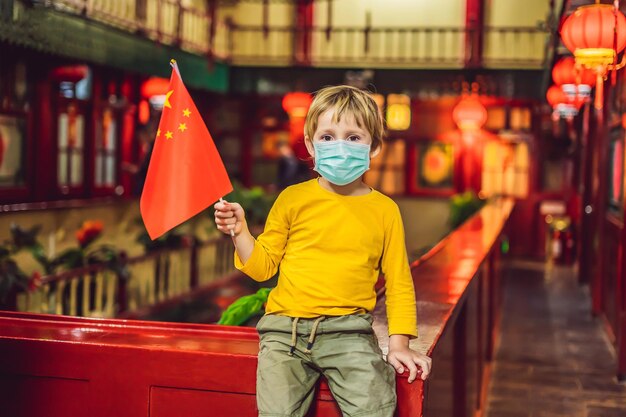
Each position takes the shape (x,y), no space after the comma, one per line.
(554,359)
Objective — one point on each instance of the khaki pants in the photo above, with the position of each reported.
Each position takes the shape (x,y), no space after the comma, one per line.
(344,350)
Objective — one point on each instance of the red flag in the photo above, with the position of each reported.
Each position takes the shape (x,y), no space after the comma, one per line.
(186,173)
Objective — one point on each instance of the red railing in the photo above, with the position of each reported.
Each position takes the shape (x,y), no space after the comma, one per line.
(62,366)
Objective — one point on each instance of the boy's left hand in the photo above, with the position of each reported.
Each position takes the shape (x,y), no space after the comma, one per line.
(401,357)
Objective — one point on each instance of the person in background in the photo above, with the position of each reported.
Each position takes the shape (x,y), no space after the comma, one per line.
(146,137)
(289,167)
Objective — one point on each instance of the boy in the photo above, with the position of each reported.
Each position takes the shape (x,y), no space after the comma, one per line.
(331,237)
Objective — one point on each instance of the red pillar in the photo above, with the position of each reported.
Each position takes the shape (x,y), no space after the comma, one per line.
(46,153)
(474,23)
(304,24)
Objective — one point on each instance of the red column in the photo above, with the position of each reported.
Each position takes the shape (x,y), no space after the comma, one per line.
(129,90)
(474,23)
(304,23)
(46,153)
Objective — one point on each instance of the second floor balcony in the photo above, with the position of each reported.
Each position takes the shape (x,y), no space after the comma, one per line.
(216,29)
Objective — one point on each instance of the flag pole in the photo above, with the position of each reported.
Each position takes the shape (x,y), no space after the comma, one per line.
(175,66)
(232,232)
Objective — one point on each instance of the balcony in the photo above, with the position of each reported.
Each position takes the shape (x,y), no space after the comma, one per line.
(200,32)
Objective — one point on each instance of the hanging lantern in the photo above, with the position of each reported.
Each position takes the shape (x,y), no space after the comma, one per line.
(155,86)
(574,80)
(555,96)
(565,71)
(398,112)
(72,74)
(469,114)
(561,104)
(590,33)
(297,104)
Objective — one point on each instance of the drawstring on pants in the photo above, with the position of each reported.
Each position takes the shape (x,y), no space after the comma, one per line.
(294,334)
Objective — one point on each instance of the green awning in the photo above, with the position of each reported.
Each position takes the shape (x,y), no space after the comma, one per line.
(75,37)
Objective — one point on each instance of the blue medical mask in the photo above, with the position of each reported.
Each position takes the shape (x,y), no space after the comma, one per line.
(340,161)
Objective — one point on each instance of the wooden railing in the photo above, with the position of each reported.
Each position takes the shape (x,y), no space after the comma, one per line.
(169,22)
(165,21)
(153,278)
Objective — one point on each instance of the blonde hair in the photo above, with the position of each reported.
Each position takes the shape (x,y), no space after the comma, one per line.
(346,100)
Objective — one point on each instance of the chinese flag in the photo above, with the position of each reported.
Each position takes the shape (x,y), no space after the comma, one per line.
(186,173)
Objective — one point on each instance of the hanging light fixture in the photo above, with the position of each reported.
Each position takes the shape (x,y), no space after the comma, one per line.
(155,86)
(469,114)
(595,34)
(297,104)
(562,106)
(574,80)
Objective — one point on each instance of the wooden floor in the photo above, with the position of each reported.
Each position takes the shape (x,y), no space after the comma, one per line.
(554,358)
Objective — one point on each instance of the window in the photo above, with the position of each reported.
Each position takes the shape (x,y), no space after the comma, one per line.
(387,169)
(70,139)
(74,93)
(505,169)
(12,150)
(106,150)
(14,126)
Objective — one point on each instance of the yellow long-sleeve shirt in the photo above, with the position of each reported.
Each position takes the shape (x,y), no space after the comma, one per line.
(330,249)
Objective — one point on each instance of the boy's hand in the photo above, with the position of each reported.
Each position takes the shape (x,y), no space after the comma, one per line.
(401,357)
(229,216)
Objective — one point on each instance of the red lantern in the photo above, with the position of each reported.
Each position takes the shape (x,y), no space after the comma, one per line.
(589,32)
(71,73)
(155,86)
(595,34)
(297,104)
(562,105)
(469,114)
(555,96)
(565,72)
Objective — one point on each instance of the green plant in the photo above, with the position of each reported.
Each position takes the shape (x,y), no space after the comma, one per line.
(87,254)
(255,201)
(170,240)
(462,206)
(12,277)
(245,307)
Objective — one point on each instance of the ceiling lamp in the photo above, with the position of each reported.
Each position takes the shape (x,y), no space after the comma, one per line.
(596,34)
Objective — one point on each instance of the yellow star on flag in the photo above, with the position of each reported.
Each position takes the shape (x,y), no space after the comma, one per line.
(182,127)
(186,112)
(167,99)
(158,132)
(169,135)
